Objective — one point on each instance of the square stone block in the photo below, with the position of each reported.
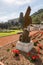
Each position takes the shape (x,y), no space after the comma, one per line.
(26,47)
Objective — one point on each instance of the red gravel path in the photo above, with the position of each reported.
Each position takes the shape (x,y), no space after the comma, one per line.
(12,38)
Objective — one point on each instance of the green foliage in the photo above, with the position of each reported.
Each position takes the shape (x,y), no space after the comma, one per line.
(35,44)
(9,32)
(37,17)
(8,50)
(21,20)
(17,23)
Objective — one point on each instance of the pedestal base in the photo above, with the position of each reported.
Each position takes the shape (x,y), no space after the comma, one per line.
(26,47)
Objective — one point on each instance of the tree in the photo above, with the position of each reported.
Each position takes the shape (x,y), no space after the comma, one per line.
(36,20)
(41,17)
(21,19)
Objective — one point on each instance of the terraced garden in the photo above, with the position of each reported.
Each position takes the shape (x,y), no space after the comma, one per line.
(7,57)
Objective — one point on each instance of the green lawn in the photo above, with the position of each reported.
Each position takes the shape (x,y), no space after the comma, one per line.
(9,32)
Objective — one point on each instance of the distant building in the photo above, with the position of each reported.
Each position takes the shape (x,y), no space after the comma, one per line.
(14,20)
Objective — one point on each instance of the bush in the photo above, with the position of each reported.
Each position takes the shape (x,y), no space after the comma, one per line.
(8,50)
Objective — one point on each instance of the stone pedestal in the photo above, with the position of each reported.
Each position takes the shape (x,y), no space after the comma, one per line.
(26,47)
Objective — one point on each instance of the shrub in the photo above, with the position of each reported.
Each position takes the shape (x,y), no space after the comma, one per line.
(8,50)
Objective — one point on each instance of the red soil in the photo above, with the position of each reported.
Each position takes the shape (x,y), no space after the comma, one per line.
(12,38)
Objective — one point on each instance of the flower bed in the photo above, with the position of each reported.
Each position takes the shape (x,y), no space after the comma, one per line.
(32,57)
(16,52)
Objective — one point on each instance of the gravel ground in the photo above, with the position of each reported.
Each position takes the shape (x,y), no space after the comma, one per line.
(7,57)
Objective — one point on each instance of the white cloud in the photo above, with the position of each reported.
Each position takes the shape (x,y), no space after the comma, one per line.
(36,8)
(3,18)
(6,18)
(10,9)
(9,1)
(17,2)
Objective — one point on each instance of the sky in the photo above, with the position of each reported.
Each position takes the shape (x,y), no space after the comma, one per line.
(10,9)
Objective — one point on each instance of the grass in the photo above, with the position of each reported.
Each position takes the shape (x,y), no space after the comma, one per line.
(9,32)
